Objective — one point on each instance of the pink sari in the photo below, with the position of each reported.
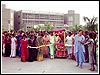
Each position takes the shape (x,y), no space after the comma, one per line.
(45,52)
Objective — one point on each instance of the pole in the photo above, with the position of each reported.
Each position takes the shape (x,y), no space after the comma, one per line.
(9,25)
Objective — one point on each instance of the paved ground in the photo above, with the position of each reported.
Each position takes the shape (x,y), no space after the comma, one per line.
(14,65)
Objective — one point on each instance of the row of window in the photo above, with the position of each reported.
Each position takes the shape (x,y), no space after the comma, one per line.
(30,21)
(50,18)
(38,22)
(37,16)
(26,14)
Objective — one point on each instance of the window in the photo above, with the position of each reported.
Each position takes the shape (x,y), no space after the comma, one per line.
(18,16)
(70,23)
(36,16)
(70,18)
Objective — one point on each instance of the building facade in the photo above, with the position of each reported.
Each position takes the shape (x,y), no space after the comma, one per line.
(7,18)
(72,18)
(25,19)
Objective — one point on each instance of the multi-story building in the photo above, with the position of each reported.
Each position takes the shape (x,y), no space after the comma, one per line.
(72,18)
(25,19)
(7,18)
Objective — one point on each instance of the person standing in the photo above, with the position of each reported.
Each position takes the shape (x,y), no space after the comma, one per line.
(19,37)
(96,40)
(73,55)
(7,45)
(46,41)
(3,44)
(86,47)
(32,51)
(79,49)
(90,44)
(13,46)
(52,41)
(69,42)
(24,49)
(40,50)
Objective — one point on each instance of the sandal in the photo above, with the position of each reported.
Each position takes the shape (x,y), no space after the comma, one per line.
(77,65)
(89,68)
(93,69)
(81,67)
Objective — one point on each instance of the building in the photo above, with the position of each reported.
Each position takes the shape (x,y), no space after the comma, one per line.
(25,19)
(72,18)
(7,18)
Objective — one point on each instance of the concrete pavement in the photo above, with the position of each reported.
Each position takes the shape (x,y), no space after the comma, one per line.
(57,65)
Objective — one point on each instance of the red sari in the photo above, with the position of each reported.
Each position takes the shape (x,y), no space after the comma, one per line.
(73,56)
(24,50)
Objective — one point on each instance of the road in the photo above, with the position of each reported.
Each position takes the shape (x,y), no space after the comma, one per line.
(52,66)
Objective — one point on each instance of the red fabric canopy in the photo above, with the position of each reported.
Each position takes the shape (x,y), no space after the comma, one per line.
(58,30)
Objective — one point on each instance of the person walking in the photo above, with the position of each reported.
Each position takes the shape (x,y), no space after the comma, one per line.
(79,49)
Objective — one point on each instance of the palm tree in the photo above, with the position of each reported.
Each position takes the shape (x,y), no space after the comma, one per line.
(91,23)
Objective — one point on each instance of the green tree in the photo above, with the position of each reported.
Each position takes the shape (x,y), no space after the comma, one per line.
(48,26)
(39,28)
(91,23)
(75,27)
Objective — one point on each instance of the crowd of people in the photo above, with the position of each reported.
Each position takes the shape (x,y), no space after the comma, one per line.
(82,46)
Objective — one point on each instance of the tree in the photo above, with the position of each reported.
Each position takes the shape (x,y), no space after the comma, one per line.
(48,26)
(91,23)
(75,27)
(40,28)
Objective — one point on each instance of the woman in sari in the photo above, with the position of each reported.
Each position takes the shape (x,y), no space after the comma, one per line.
(24,51)
(79,49)
(7,45)
(52,41)
(32,51)
(46,41)
(40,50)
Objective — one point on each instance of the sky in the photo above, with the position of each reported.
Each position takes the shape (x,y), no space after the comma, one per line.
(84,8)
